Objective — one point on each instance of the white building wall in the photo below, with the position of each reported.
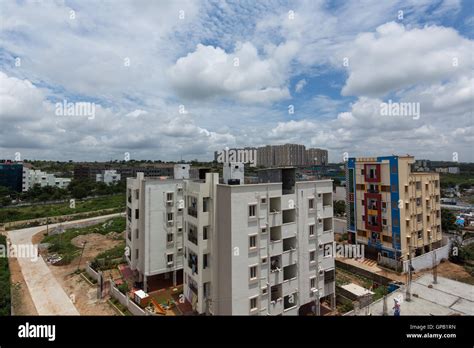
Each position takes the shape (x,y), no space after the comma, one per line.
(148,233)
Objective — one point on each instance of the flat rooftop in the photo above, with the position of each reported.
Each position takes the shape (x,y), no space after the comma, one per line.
(447,297)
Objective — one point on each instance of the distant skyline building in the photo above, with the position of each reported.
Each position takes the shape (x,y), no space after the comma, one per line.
(108,177)
(11,176)
(37,177)
(286,155)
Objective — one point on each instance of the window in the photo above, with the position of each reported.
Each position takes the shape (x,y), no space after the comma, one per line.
(426,187)
(205,204)
(311,203)
(264,290)
(252,242)
(419,217)
(169,196)
(253,272)
(169,237)
(418,185)
(418,202)
(252,210)
(170,216)
(205,260)
(137,214)
(137,194)
(384,222)
(205,231)
(253,304)
(312,283)
(420,234)
(264,260)
(311,230)
(169,258)
(312,256)
(264,230)
(363,202)
(136,253)
(137,233)
(263,201)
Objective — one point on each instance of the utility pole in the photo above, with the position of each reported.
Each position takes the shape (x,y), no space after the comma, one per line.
(408,292)
(82,252)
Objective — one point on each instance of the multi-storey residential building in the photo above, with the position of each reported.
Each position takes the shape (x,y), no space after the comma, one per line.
(391,209)
(155,211)
(38,177)
(258,249)
(108,177)
(316,157)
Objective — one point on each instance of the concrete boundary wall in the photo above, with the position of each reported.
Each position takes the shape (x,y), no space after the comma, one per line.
(92,273)
(426,260)
(125,300)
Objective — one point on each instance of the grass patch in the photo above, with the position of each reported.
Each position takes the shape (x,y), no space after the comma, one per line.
(5,293)
(61,243)
(109,259)
(49,210)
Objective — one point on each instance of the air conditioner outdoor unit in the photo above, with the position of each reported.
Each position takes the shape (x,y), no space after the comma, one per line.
(169,202)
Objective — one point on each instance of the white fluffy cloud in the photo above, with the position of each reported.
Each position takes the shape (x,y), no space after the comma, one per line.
(210,71)
(394,58)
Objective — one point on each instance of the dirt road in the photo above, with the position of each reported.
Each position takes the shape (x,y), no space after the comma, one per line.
(47,294)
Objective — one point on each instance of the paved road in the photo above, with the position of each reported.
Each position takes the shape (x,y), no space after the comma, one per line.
(47,294)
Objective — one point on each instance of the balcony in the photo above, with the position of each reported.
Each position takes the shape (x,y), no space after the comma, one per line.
(192,234)
(193,262)
(192,212)
(290,272)
(276,293)
(289,216)
(275,263)
(327,225)
(275,233)
(275,204)
(290,301)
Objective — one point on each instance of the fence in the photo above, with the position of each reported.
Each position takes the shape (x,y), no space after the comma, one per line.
(92,273)
(125,300)
(426,260)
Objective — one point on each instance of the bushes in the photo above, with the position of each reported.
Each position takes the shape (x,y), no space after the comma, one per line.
(5,296)
(50,210)
(61,243)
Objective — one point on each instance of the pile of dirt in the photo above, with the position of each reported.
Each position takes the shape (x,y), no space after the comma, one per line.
(114,235)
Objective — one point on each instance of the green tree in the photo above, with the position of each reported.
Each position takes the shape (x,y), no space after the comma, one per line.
(448,220)
(339,207)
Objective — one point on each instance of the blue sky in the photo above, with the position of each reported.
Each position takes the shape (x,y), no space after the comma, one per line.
(236,68)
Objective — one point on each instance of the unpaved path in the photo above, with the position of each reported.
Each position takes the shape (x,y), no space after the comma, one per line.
(47,294)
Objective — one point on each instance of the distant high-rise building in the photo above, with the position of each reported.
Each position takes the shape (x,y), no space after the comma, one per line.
(11,175)
(287,155)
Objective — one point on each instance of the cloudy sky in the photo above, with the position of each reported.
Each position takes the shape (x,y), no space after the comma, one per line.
(181,79)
